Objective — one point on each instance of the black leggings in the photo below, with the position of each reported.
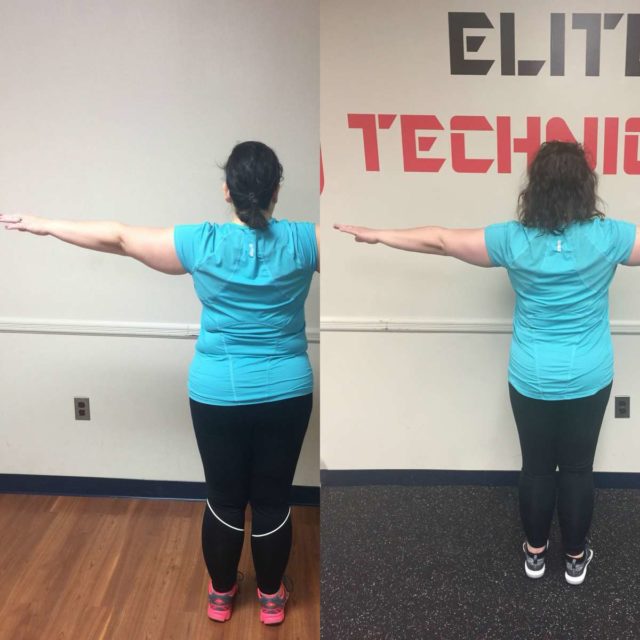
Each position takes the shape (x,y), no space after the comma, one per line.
(249,453)
(564,434)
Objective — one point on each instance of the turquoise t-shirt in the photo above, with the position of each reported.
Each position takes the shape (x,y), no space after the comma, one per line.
(561,345)
(252,284)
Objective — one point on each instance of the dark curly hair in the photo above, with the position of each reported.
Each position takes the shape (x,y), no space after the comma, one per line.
(561,188)
(253,173)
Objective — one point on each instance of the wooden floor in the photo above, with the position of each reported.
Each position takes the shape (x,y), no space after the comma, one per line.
(122,569)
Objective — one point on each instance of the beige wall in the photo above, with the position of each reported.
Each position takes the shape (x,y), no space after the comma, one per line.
(124,110)
(415,347)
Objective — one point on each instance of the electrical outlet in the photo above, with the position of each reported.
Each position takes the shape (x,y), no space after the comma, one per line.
(623,407)
(82,409)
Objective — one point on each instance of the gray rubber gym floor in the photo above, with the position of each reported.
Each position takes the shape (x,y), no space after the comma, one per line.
(445,563)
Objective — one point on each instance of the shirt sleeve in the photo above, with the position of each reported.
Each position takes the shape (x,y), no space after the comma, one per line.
(191,242)
(619,237)
(496,238)
(307,246)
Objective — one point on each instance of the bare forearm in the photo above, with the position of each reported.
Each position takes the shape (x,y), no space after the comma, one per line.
(467,245)
(98,236)
(422,239)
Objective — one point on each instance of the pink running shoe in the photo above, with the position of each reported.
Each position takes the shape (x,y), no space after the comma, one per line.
(272,606)
(221,604)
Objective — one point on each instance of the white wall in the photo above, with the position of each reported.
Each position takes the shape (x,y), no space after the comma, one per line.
(440,401)
(415,347)
(124,110)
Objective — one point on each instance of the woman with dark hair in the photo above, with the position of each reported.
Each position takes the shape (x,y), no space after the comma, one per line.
(250,382)
(560,256)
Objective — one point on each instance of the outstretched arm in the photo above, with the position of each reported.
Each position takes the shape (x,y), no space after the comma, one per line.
(467,245)
(152,246)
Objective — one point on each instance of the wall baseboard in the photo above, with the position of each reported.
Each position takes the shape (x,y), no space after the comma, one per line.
(431,477)
(127,488)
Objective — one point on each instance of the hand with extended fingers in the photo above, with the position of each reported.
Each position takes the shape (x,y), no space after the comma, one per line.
(361,234)
(30,224)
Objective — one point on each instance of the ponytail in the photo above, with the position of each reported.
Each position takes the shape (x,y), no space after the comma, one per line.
(253,174)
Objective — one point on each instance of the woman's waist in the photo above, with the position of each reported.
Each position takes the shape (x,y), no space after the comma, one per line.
(582,334)
(573,321)
(253,359)
(250,376)
(223,344)
(241,380)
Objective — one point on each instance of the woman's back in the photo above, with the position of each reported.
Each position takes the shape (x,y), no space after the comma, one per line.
(561,344)
(252,285)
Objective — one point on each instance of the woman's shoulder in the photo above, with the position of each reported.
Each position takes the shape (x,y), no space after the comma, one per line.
(285,223)
(507,229)
(611,237)
(600,225)
(300,238)
(508,225)
(292,228)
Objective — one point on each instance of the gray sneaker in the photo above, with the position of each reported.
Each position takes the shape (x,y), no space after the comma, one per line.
(577,567)
(534,563)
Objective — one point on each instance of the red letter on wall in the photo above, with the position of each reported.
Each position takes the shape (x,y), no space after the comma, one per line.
(412,144)
(610,159)
(367,122)
(631,159)
(459,161)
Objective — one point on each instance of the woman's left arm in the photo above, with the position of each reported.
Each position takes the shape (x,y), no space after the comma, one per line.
(634,257)
(467,245)
(152,246)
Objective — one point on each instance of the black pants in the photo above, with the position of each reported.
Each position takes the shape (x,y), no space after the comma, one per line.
(249,453)
(558,434)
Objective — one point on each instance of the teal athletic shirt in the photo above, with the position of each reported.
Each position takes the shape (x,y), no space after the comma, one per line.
(252,284)
(561,345)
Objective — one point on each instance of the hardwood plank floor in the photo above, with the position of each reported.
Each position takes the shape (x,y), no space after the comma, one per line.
(121,569)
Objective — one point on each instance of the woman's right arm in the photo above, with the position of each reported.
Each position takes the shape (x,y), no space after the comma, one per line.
(153,247)
(467,245)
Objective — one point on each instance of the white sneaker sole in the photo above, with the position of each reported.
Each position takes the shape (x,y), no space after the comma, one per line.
(533,574)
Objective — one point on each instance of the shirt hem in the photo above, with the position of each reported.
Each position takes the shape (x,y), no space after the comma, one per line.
(226,403)
(560,396)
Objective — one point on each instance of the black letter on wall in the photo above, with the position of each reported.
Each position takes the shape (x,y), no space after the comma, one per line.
(632,67)
(458,22)
(507,44)
(557,44)
(591,23)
